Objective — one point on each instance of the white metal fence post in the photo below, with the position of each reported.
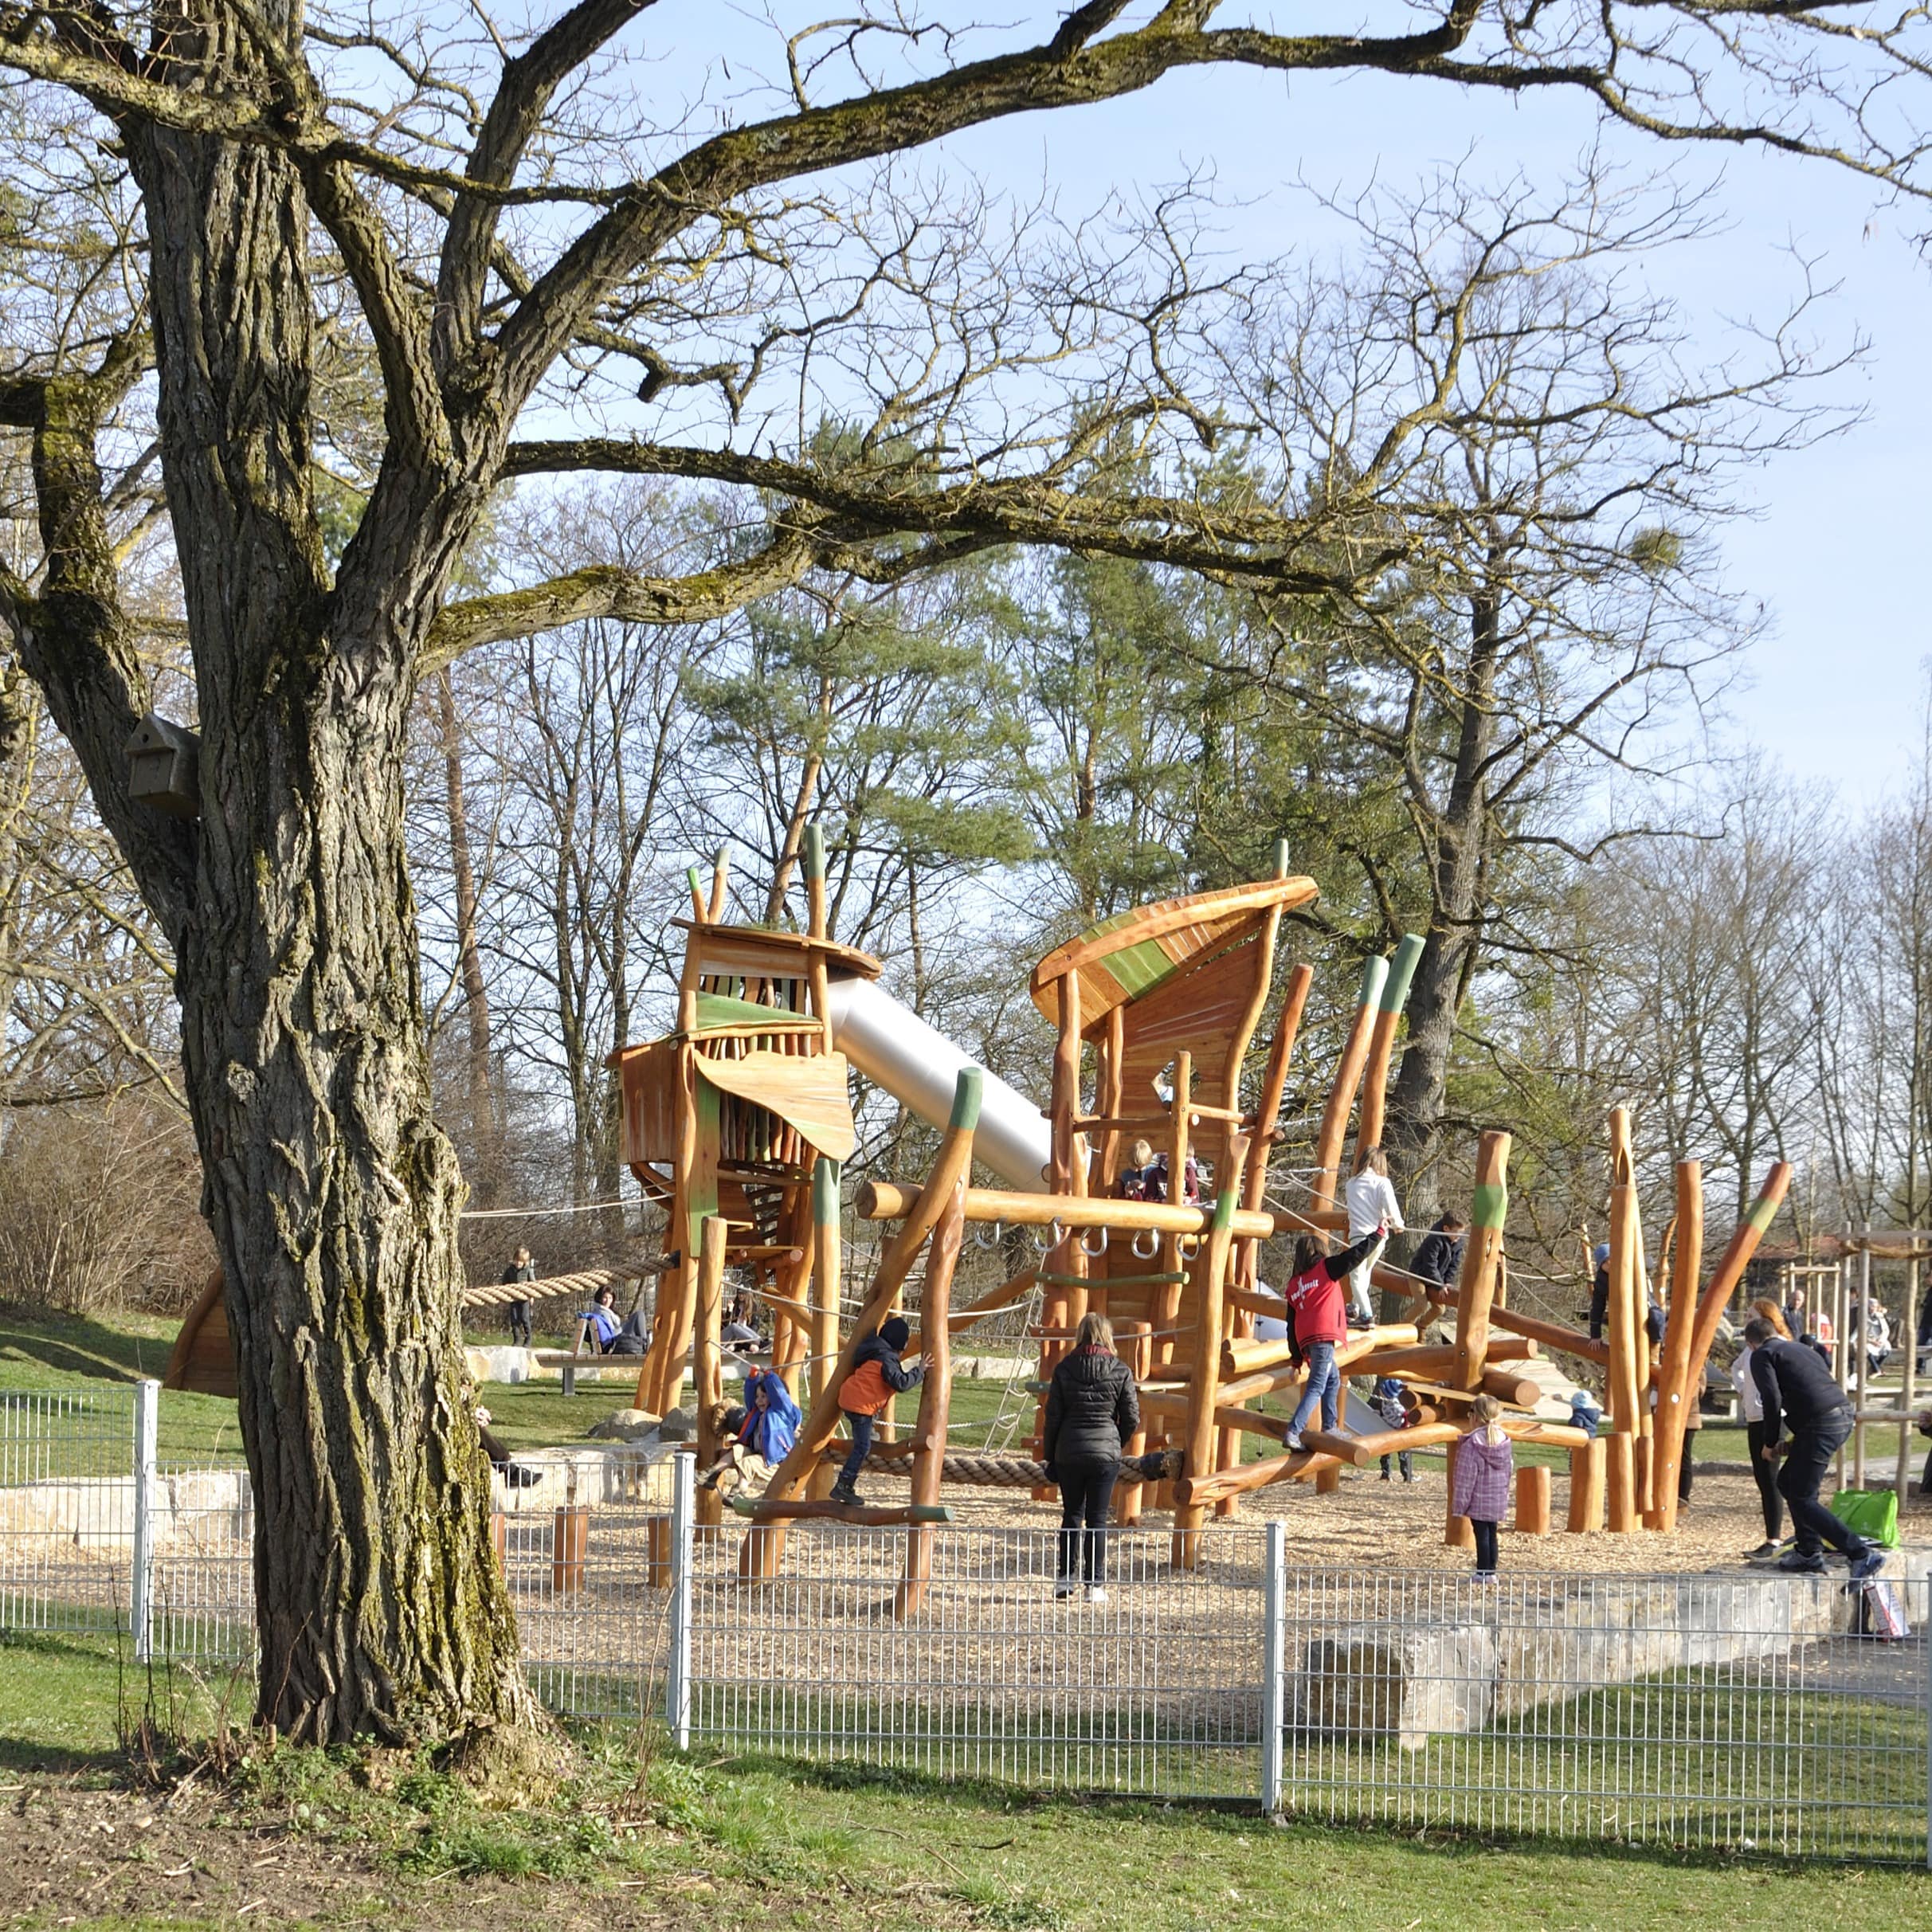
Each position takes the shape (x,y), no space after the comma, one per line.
(141,1593)
(677,1676)
(1274,1676)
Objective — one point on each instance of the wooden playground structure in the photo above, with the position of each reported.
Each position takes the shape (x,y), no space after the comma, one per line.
(739,1123)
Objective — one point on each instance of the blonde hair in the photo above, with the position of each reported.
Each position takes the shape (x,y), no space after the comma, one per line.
(1764,1306)
(1371,1160)
(1141,1153)
(1094,1331)
(1485,1409)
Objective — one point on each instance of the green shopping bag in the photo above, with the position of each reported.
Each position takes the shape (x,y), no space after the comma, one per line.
(1872,1514)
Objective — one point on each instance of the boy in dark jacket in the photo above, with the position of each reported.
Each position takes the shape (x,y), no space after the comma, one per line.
(1092,1410)
(1440,1254)
(877,1375)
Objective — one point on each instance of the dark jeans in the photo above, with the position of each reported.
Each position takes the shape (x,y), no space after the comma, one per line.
(1757,1435)
(1485,1543)
(861,1428)
(519,1324)
(1805,1462)
(1685,1477)
(1408,1475)
(1086,1499)
(1324,1386)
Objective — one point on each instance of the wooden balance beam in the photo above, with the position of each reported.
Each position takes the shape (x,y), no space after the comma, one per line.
(791,1509)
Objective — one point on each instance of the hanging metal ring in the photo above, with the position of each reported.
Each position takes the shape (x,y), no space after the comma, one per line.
(1042,1241)
(1153,1248)
(987,1234)
(1087,1247)
(1189,1245)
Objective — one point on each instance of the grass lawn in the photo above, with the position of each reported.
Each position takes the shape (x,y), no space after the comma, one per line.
(634,1835)
(630,1835)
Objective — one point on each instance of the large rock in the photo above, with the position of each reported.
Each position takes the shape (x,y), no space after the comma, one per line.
(623,1425)
(678,1426)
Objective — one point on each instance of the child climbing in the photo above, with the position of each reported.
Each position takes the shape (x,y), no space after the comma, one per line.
(767,1429)
(1388,1406)
(1479,1488)
(877,1375)
(1372,1208)
(1319,1321)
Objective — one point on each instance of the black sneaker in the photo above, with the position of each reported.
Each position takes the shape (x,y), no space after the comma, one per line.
(1763,1553)
(844,1492)
(1869,1564)
(1795,1563)
(518,1477)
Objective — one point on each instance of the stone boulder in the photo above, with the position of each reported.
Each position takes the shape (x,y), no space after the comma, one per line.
(623,1425)
(677,1427)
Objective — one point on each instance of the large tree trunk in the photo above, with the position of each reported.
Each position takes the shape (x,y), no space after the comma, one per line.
(332,1195)
(1460,823)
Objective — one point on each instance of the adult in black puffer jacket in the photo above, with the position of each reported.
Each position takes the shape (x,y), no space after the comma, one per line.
(1092,1408)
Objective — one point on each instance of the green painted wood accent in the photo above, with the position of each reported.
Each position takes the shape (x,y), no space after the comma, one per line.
(1281,858)
(1374,971)
(703,1199)
(1223,1211)
(1402,970)
(1763,1211)
(1489,1205)
(1135,969)
(966,1097)
(814,852)
(825,1192)
(722,1009)
(695,883)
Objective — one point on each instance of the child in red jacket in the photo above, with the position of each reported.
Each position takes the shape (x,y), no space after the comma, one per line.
(1319,1318)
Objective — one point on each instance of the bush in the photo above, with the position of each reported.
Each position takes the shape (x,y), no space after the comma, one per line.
(100,1208)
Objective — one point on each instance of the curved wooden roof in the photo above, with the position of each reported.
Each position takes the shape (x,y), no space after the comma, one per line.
(1127,956)
(808,1091)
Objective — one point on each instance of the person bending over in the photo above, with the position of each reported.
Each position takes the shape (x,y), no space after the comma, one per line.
(1092,1410)
(1795,1388)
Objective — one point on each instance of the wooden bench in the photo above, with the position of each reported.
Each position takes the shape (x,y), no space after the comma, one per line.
(569,1361)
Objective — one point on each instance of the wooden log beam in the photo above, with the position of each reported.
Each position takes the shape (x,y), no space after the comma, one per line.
(1551,1334)
(1268,1109)
(1674,1392)
(828,1259)
(1382,1041)
(1476,1283)
(1431,1361)
(1205,1384)
(887,1200)
(936,1398)
(1333,1130)
(766,1509)
(1587,1462)
(1623,1324)
(1362,1450)
(949,1165)
(708,1363)
(1199,1492)
(1532,1501)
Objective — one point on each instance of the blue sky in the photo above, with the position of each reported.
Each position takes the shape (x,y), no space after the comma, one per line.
(1833,691)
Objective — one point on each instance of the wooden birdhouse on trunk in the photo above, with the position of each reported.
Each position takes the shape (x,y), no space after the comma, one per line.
(164,767)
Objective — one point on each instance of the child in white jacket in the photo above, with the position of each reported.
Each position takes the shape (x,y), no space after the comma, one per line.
(1371,1204)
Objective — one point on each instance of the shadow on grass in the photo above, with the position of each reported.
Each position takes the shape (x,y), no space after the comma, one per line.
(75,1344)
(1237,1818)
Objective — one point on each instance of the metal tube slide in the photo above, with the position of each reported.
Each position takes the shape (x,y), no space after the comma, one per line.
(920,1067)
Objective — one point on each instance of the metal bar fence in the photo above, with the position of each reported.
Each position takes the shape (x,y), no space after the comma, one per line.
(1738,1711)
(67,1510)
